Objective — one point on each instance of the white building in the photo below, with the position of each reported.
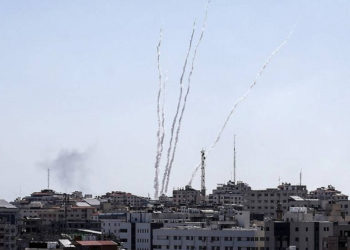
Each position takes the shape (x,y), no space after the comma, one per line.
(208,238)
(133,230)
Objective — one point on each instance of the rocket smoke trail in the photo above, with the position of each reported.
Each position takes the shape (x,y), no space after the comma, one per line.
(242,98)
(166,170)
(161,118)
(185,98)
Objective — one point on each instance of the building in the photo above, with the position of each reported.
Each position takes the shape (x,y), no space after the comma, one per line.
(186,196)
(8,225)
(307,235)
(329,196)
(265,201)
(299,229)
(341,238)
(190,237)
(118,198)
(329,193)
(230,193)
(297,201)
(133,230)
(46,223)
(111,224)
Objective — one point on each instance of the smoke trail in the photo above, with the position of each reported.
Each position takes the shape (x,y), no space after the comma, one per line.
(161,119)
(242,98)
(185,98)
(166,170)
(158,154)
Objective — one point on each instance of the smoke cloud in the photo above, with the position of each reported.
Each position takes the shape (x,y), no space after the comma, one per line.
(69,168)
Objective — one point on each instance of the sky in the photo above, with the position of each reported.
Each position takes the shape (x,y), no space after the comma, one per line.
(79,80)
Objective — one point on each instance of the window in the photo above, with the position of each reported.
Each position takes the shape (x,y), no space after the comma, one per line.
(297,229)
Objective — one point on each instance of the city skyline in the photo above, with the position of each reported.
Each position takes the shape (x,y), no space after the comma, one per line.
(80,81)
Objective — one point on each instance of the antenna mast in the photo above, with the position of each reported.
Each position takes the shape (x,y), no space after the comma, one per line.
(300,177)
(203,174)
(48,178)
(234,158)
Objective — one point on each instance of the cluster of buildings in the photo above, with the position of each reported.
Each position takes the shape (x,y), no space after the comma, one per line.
(232,216)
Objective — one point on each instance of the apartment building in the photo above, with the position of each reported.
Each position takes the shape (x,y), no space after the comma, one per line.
(190,237)
(118,198)
(186,196)
(328,193)
(265,201)
(306,235)
(230,193)
(8,227)
(133,230)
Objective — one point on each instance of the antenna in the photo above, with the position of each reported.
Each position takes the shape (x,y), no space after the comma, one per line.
(234,158)
(48,178)
(203,173)
(279,180)
(300,176)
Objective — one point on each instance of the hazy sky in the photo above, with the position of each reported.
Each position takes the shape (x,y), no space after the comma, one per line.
(80,77)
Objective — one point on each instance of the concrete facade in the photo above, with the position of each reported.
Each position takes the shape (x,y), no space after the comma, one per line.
(306,235)
(206,238)
(265,201)
(8,225)
(230,193)
(186,196)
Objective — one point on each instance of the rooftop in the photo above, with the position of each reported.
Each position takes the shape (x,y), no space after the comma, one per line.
(97,243)
(5,204)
